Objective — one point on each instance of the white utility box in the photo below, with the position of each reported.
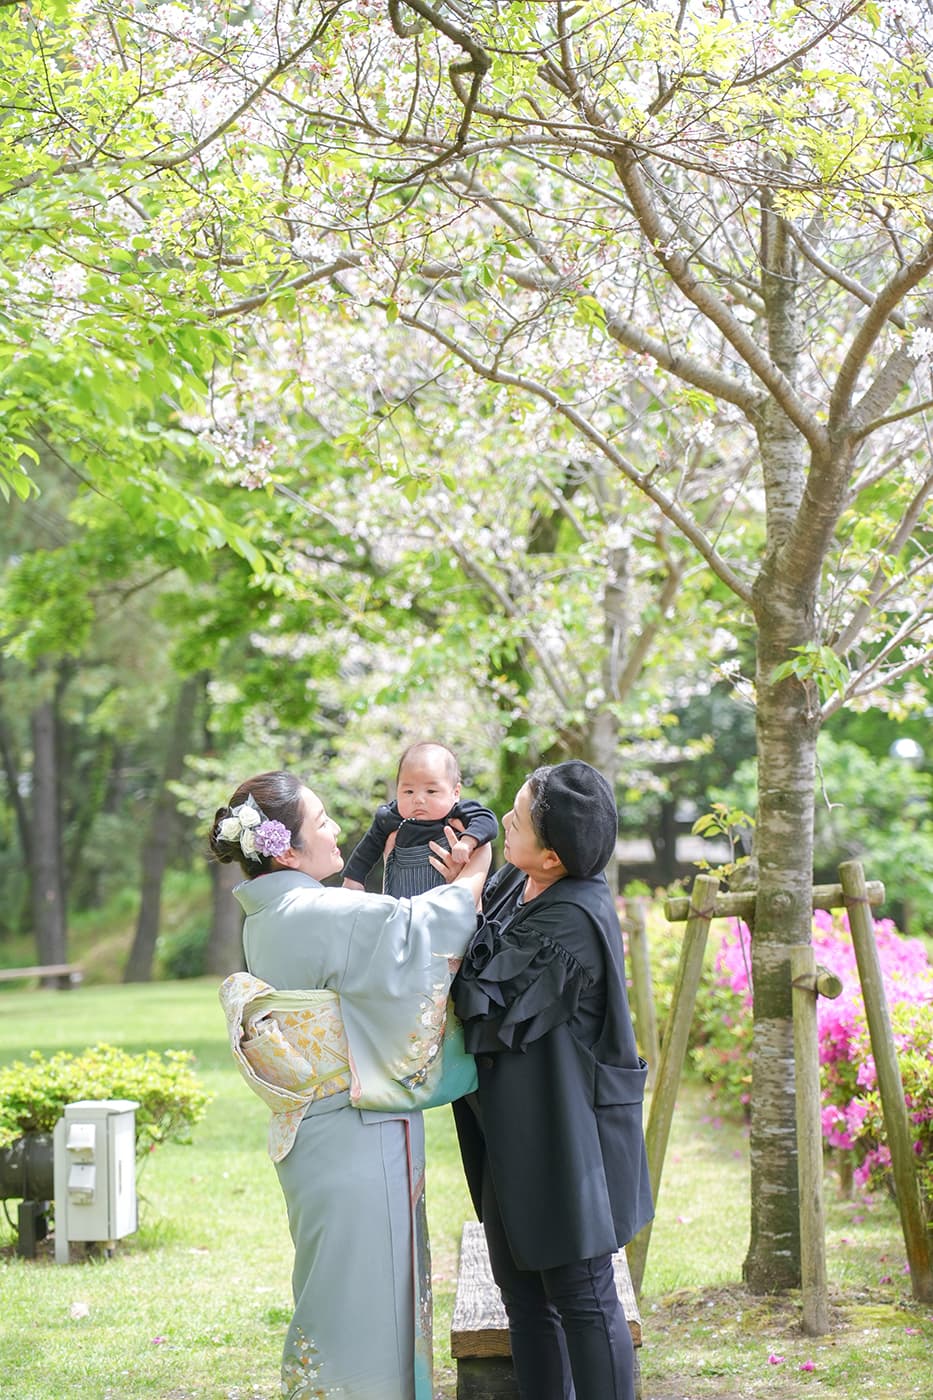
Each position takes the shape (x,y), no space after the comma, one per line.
(95,1173)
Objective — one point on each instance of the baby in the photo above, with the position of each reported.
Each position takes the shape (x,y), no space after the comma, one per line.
(427,799)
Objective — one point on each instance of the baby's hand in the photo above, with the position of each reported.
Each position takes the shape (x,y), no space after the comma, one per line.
(461,850)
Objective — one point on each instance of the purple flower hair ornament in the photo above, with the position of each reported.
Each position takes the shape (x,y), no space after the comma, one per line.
(257,834)
(272,838)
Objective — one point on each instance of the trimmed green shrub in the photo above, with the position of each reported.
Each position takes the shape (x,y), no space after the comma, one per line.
(34,1092)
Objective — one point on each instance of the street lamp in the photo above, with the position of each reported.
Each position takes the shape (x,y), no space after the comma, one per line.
(908,751)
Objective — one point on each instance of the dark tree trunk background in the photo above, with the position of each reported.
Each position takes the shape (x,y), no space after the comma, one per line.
(161,830)
(224,945)
(48,895)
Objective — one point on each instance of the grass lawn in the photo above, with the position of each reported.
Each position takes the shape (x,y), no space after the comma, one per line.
(195,1303)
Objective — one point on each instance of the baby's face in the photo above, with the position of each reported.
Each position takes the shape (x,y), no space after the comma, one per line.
(425,791)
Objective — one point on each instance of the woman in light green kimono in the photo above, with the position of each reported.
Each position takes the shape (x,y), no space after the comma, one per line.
(350,1160)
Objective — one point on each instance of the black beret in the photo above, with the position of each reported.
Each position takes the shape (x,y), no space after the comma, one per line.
(578,817)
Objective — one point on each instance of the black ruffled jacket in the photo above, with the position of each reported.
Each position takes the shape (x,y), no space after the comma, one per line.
(542,997)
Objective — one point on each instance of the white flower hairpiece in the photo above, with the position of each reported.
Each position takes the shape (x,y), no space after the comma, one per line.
(257,834)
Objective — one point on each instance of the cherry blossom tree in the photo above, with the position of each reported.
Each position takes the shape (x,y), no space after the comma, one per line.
(647,217)
(644,217)
(448,516)
(687,248)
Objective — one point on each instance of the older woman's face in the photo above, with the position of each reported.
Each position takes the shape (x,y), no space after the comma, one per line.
(522,847)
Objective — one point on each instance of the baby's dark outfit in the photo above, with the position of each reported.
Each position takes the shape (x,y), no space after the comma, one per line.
(408,869)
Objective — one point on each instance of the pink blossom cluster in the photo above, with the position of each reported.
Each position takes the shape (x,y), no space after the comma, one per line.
(852,1116)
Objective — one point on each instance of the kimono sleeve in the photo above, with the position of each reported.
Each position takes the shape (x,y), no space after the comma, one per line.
(395,984)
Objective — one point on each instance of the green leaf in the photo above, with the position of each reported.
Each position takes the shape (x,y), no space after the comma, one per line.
(590,312)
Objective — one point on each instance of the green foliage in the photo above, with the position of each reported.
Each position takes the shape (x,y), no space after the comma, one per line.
(817,664)
(712,734)
(33,1093)
(665,942)
(721,1044)
(182,953)
(721,820)
(877,810)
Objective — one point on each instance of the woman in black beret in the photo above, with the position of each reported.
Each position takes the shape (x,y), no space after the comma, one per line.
(552,1142)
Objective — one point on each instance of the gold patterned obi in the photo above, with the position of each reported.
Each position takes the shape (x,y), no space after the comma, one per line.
(290,1047)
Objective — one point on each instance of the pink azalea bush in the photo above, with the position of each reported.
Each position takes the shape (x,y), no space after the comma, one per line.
(852,1115)
(860,1124)
(722,1048)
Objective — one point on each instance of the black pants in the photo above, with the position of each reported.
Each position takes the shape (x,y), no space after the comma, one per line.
(570,1339)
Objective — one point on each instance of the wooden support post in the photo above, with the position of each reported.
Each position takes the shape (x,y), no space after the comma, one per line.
(890,1084)
(646,1019)
(673,1052)
(740,904)
(809,1140)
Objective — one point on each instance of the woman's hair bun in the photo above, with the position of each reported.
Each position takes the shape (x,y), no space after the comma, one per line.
(224,851)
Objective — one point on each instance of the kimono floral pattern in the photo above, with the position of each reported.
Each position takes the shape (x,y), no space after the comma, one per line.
(425,1041)
(301,1369)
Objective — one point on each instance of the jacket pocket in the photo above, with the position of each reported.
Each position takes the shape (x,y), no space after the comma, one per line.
(615,1084)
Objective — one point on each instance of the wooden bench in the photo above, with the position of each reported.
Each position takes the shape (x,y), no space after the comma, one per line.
(479,1332)
(63,971)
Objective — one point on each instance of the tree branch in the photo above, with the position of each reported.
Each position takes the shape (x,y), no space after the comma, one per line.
(470,184)
(476,571)
(562,505)
(678,269)
(649,632)
(856,687)
(74,167)
(888,380)
(792,59)
(403,30)
(320,274)
(848,284)
(741,286)
(923,407)
(856,691)
(685,367)
(477,61)
(889,549)
(642,480)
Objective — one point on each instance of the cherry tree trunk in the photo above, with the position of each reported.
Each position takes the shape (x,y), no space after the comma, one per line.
(788,720)
(787,728)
